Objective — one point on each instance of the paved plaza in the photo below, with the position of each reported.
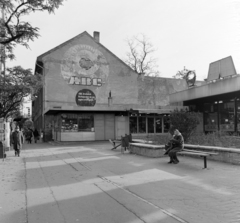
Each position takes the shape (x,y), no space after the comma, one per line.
(90,183)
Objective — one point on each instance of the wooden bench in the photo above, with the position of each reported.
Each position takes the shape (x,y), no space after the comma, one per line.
(113,142)
(197,153)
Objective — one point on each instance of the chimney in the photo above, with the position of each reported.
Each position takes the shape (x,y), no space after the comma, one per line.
(96,36)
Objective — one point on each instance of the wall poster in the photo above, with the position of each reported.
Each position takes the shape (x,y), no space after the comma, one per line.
(85,97)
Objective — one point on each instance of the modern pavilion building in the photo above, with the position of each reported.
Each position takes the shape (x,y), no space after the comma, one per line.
(218,99)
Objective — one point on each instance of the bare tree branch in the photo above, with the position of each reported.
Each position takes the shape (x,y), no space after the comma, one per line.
(139,57)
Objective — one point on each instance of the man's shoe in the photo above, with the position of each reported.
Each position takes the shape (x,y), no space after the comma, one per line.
(175,161)
(170,161)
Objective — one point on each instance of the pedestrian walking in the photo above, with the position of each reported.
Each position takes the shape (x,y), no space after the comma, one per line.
(17,140)
(36,135)
(177,146)
(29,136)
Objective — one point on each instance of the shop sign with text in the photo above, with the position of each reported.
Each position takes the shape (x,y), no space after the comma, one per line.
(85,97)
(86,81)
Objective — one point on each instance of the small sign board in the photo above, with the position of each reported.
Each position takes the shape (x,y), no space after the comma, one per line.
(85,97)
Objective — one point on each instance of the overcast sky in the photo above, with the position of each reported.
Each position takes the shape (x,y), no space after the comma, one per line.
(190,33)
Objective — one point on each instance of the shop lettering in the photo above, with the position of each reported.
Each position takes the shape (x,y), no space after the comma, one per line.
(86,81)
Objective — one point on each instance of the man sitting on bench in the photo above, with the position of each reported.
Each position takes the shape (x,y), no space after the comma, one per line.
(177,145)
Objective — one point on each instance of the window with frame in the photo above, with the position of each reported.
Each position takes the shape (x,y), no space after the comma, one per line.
(166,123)
(158,123)
(133,124)
(142,124)
(150,124)
(85,123)
(77,123)
(69,125)
(227,116)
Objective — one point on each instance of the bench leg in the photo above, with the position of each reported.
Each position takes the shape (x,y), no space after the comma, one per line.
(116,146)
(205,162)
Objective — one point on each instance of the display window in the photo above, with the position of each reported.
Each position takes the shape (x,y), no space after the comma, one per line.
(227,117)
(238,115)
(85,123)
(142,124)
(158,122)
(211,116)
(150,125)
(77,123)
(166,123)
(133,124)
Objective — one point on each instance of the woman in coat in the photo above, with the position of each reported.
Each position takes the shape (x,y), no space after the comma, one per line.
(17,140)
(177,146)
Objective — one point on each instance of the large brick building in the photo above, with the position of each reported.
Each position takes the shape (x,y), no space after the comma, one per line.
(90,94)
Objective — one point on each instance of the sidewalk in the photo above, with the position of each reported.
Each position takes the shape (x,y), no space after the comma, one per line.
(88,182)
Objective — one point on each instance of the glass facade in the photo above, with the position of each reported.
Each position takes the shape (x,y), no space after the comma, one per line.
(238,114)
(226,116)
(158,122)
(133,124)
(149,124)
(142,124)
(222,115)
(211,116)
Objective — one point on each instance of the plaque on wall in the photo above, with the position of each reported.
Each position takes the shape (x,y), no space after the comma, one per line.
(85,97)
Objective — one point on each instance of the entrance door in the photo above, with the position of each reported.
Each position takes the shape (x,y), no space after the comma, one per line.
(121,126)
(109,126)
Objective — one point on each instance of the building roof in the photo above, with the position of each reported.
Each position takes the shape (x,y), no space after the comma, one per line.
(39,58)
(218,87)
(221,69)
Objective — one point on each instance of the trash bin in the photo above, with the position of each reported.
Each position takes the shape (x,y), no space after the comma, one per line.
(2,151)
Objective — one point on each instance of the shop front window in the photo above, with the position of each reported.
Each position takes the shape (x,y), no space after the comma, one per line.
(77,123)
(211,117)
(150,125)
(166,122)
(69,125)
(85,123)
(226,116)
(238,115)
(133,124)
(142,124)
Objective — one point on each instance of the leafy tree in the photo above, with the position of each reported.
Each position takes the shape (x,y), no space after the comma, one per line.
(15,30)
(186,122)
(140,56)
(17,84)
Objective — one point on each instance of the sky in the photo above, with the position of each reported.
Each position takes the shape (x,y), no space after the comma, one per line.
(185,33)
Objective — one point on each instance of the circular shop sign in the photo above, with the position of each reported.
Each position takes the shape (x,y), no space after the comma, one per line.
(85,97)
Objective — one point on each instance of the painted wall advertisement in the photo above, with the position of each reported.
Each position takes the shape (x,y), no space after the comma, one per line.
(86,66)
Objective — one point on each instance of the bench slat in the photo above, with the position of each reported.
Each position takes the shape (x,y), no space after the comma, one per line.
(193,153)
(197,151)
